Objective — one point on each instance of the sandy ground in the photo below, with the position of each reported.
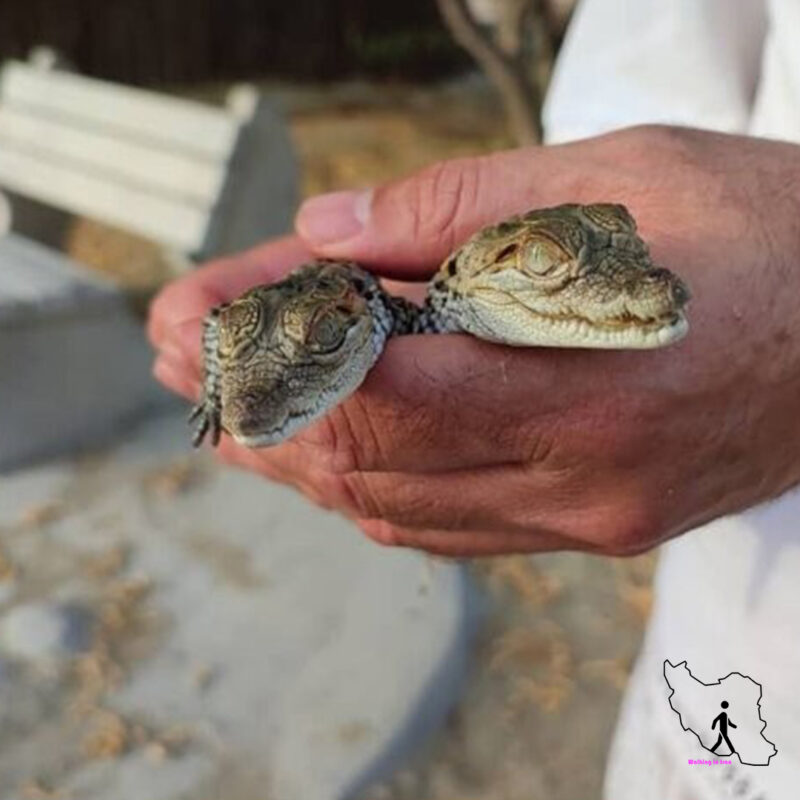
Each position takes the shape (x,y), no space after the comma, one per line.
(560,635)
(173,629)
(559,632)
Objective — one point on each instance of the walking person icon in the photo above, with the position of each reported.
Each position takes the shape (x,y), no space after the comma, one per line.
(724,722)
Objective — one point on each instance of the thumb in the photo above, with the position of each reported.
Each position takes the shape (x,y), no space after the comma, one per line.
(406,228)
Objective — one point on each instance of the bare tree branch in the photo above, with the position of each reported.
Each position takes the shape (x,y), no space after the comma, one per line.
(542,37)
(521,94)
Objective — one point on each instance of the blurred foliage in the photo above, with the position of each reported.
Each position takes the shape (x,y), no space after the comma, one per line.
(178,41)
(388,53)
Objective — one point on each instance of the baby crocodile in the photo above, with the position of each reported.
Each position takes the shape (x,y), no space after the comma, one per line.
(283,355)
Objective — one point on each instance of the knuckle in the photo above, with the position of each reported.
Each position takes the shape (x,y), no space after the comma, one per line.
(684,151)
(159,313)
(440,195)
(177,303)
(631,526)
(645,138)
(347,439)
(381,533)
(396,500)
(333,437)
(539,444)
(315,494)
(360,496)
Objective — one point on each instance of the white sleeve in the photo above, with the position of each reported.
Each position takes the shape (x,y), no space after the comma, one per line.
(682,62)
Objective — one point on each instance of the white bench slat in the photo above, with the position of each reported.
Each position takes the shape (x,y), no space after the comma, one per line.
(174,173)
(153,216)
(175,121)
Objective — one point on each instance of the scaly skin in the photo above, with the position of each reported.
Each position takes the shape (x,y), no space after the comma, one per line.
(570,276)
(281,356)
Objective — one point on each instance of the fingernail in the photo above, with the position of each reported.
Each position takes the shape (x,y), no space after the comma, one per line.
(333,217)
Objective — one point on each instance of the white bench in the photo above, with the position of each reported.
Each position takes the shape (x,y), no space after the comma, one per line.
(198,179)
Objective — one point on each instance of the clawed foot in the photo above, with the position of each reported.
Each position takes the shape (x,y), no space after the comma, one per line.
(209,409)
(209,423)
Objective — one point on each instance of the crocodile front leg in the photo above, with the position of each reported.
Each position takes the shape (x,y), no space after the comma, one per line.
(209,410)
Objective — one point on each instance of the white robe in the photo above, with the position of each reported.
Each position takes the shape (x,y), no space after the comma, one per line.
(728,594)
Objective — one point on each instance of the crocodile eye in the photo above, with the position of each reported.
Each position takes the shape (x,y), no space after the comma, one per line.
(546,261)
(542,258)
(328,332)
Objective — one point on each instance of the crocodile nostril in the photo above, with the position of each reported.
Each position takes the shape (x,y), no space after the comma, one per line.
(680,292)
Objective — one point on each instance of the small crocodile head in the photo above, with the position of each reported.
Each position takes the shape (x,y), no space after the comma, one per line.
(570,276)
(289,352)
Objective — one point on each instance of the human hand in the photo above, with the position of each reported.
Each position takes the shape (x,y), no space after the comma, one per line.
(461,447)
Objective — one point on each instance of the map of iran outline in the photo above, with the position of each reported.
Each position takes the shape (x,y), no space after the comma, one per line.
(723,714)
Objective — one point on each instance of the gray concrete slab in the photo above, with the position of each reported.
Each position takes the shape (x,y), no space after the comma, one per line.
(5,215)
(74,363)
(245,644)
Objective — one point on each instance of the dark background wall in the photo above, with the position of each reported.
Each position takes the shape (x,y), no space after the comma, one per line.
(149,42)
